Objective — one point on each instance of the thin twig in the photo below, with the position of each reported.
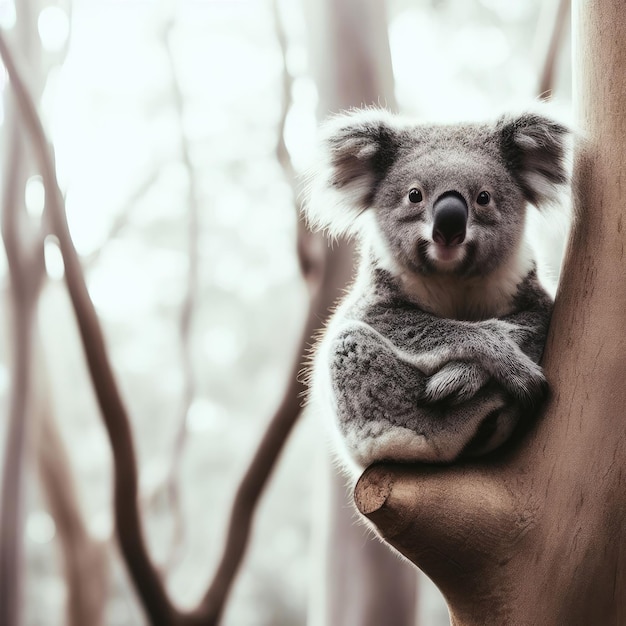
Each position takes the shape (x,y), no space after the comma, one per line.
(171,482)
(26,270)
(310,248)
(282,153)
(309,245)
(121,220)
(84,559)
(551,50)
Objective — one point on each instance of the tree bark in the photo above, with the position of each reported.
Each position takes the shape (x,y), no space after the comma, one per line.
(537,535)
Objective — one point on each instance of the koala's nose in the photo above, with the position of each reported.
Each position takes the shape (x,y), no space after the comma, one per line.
(450,213)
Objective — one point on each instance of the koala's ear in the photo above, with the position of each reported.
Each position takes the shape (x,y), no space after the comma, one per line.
(356,150)
(536,150)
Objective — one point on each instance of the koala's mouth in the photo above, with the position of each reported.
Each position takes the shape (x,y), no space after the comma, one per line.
(432,257)
(447,255)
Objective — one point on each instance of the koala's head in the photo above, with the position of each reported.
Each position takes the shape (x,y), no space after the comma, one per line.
(442,198)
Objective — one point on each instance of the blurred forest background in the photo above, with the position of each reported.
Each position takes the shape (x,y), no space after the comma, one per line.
(165,119)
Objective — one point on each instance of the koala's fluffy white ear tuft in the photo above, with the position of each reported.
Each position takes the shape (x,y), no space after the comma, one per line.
(536,149)
(356,149)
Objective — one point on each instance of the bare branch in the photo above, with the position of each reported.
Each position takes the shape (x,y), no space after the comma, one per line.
(259,470)
(325,280)
(310,246)
(121,221)
(171,482)
(282,154)
(551,47)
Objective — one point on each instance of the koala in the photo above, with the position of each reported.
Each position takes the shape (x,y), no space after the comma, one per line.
(432,356)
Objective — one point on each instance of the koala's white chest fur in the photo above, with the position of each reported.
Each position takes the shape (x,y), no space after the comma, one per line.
(478,297)
(474,298)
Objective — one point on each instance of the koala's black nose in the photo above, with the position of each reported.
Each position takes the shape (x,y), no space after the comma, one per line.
(450,213)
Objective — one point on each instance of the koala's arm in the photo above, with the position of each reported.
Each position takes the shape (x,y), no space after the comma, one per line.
(460,356)
(458,381)
(531,319)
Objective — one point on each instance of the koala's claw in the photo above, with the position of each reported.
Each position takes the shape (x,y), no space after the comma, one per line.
(526,382)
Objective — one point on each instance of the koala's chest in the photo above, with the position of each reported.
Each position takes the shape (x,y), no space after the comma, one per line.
(470,300)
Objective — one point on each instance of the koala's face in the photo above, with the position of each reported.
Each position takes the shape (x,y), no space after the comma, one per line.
(448,199)
(448,203)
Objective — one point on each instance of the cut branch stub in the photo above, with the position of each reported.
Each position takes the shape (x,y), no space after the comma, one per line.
(457,524)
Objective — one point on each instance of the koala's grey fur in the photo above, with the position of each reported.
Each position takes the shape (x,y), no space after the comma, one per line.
(434,352)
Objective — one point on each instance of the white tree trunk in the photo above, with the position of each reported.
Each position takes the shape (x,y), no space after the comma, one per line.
(359,581)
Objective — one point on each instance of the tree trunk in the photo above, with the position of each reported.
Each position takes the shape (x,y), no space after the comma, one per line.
(85,560)
(358,581)
(538,535)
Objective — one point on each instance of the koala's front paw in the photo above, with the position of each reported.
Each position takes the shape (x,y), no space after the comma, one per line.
(514,370)
(455,382)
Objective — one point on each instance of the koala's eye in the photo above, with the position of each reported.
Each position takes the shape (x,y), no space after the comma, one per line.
(415,195)
(483,198)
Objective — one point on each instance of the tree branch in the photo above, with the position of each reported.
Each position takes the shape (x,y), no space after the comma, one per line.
(310,246)
(24,250)
(322,278)
(551,47)
(171,482)
(121,220)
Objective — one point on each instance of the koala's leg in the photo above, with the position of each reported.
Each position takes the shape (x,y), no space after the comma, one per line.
(495,428)
(371,378)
